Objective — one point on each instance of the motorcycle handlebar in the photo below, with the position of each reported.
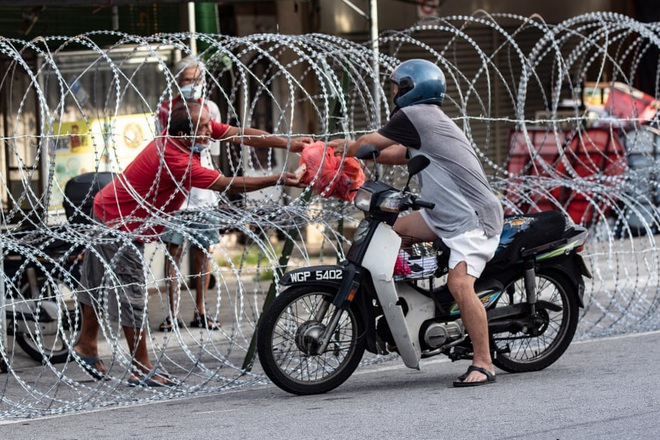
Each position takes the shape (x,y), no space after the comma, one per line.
(423,204)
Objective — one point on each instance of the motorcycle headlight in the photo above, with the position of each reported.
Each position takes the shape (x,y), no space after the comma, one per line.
(362,200)
(391,203)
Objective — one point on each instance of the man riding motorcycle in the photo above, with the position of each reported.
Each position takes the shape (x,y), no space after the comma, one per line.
(467,215)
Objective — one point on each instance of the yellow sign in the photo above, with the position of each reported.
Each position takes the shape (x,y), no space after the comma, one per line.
(97,145)
(73,137)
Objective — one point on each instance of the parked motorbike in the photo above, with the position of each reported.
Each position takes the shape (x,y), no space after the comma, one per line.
(41,273)
(314,334)
(41,268)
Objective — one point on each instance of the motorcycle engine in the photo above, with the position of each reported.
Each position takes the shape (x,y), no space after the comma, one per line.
(434,335)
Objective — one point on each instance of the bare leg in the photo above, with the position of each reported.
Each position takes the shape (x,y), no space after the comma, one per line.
(202,269)
(137,345)
(461,286)
(202,281)
(138,348)
(171,269)
(87,345)
(412,228)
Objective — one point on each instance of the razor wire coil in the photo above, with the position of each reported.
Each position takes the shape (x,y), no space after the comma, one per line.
(512,87)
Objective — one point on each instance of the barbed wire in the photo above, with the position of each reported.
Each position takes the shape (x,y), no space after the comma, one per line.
(549,108)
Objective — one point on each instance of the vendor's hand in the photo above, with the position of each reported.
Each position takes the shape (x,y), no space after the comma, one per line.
(299,144)
(340,145)
(290,179)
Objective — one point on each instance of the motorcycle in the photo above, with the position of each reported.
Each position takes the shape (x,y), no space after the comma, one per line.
(313,335)
(41,271)
(40,274)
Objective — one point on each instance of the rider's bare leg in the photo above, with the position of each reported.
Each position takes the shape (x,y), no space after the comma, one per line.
(473,314)
(412,228)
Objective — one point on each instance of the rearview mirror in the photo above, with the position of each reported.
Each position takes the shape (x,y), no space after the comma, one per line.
(417,164)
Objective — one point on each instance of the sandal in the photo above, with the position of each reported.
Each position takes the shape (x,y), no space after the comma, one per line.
(460,381)
(202,321)
(168,325)
(87,363)
(148,380)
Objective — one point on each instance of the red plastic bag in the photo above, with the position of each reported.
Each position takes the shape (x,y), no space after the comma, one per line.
(329,175)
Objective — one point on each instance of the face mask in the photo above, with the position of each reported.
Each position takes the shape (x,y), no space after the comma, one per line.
(198,148)
(189,91)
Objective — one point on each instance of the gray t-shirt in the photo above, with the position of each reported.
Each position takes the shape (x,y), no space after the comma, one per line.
(455,180)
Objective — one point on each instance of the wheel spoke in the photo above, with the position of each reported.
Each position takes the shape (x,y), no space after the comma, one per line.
(543,344)
(298,325)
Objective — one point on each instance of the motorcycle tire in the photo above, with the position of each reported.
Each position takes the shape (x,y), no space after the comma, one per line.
(46,353)
(525,351)
(287,363)
(45,344)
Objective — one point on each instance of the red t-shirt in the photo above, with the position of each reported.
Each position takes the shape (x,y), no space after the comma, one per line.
(157,181)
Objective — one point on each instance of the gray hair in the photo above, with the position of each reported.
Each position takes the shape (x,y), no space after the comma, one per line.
(187,63)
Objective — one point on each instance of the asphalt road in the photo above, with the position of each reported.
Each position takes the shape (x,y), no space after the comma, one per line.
(600,389)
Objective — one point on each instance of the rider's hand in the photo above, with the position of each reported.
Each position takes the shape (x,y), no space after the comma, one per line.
(299,144)
(340,146)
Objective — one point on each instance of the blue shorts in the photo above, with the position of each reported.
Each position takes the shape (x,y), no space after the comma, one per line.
(200,229)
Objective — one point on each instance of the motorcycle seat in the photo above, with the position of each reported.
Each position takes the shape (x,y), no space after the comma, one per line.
(520,232)
(528,231)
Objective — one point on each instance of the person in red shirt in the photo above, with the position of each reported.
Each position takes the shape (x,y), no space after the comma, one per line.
(201,229)
(136,206)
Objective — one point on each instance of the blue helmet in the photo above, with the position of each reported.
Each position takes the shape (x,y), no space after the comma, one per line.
(419,82)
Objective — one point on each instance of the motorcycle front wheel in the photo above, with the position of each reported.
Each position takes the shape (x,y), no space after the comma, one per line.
(48,341)
(536,348)
(294,318)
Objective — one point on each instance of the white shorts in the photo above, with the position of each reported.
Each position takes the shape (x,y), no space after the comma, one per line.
(474,248)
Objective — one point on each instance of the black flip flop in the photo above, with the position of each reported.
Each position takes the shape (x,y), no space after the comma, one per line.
(490,377)
(147,380)
(203,322)
(87,364)
(168,325)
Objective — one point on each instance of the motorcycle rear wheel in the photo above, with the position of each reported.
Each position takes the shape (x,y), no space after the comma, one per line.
(287,363)
(522,351)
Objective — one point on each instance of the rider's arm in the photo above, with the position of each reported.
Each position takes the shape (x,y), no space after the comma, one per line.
(394,155)
(392,140)
(391,153)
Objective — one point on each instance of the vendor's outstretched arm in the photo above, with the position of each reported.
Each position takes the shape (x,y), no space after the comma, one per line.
(262,139)
(239,184)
